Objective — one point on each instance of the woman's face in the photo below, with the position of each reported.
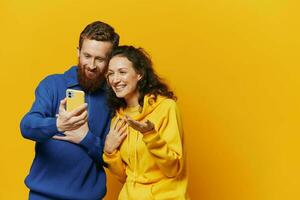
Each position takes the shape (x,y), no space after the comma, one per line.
(123,79)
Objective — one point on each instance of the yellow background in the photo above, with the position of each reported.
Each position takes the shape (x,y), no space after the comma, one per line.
(234,64)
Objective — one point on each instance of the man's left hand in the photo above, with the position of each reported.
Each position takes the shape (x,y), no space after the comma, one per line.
(74,136)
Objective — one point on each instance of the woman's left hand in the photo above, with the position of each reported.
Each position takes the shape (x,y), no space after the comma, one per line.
(116,135)
(142,127)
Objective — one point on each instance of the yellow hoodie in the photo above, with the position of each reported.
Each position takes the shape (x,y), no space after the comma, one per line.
(152,165)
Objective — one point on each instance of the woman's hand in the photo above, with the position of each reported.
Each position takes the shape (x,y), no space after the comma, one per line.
(116,135)
(142,127)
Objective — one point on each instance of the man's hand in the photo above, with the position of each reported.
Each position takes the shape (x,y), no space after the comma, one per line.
(68,121)
(74,136)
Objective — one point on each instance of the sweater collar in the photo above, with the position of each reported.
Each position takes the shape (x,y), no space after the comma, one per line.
(71,77)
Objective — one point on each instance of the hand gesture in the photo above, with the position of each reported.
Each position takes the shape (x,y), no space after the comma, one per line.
(74,136)
(116,135)
(142,127)
(67,121)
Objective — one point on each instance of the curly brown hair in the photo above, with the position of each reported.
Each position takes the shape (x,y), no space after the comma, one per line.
(149,84)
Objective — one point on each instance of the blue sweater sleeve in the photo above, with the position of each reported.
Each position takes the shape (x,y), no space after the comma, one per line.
(39,124)
(94,145)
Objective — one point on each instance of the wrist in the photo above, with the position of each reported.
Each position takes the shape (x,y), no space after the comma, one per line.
(149,127)
(58,126)
(109,150)
(149,132)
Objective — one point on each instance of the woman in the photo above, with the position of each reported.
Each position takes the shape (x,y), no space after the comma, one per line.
(144,148)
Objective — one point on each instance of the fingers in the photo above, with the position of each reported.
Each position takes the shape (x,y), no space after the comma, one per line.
(116,122)
(149,124)
(78,110)
(72,120)
(62,105)
(123,136)
(123,130)
(80,118)
(134,124)
(81,122)
(131,121)
(74,127)
(120,124)
(139,126)
(127,117)
(64,138)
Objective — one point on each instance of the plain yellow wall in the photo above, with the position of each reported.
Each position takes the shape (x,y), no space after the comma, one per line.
(234,64)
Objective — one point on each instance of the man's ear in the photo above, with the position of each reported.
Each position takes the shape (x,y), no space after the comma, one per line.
(78,52)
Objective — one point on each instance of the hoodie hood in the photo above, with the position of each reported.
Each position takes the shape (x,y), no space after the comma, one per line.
(150,103)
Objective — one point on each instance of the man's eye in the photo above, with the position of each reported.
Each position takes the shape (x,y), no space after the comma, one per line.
(99,60)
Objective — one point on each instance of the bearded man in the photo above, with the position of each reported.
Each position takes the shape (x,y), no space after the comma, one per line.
(68,145)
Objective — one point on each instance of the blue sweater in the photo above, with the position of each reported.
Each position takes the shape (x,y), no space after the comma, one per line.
(60,169)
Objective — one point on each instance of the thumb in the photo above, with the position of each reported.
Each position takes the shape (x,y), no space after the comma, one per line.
(62,105)
(150,124)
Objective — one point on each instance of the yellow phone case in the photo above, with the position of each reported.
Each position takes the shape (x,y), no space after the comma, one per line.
(75,98)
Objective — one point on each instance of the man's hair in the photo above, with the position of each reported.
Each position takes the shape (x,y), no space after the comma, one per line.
(99,31)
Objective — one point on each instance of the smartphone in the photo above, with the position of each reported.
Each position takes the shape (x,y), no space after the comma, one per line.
(75,98)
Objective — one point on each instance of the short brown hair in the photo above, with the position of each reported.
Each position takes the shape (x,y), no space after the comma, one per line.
(99,31)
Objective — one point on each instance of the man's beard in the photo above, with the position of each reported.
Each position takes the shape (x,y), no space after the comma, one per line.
(87,84)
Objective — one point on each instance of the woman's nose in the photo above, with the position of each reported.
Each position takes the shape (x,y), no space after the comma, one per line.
(116,79)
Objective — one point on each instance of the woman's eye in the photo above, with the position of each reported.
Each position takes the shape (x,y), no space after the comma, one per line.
(108,75)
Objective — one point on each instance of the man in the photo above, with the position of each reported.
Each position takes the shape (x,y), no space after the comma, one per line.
(68,161)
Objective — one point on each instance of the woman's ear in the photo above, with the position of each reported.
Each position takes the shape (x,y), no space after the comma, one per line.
(140,76)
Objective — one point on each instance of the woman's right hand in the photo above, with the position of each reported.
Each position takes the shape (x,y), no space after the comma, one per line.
(116,135)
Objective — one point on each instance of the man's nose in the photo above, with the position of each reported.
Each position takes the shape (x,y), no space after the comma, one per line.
(92,64)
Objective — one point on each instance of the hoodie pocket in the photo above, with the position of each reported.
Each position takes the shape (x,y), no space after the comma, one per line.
(167,189)
(131,191)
